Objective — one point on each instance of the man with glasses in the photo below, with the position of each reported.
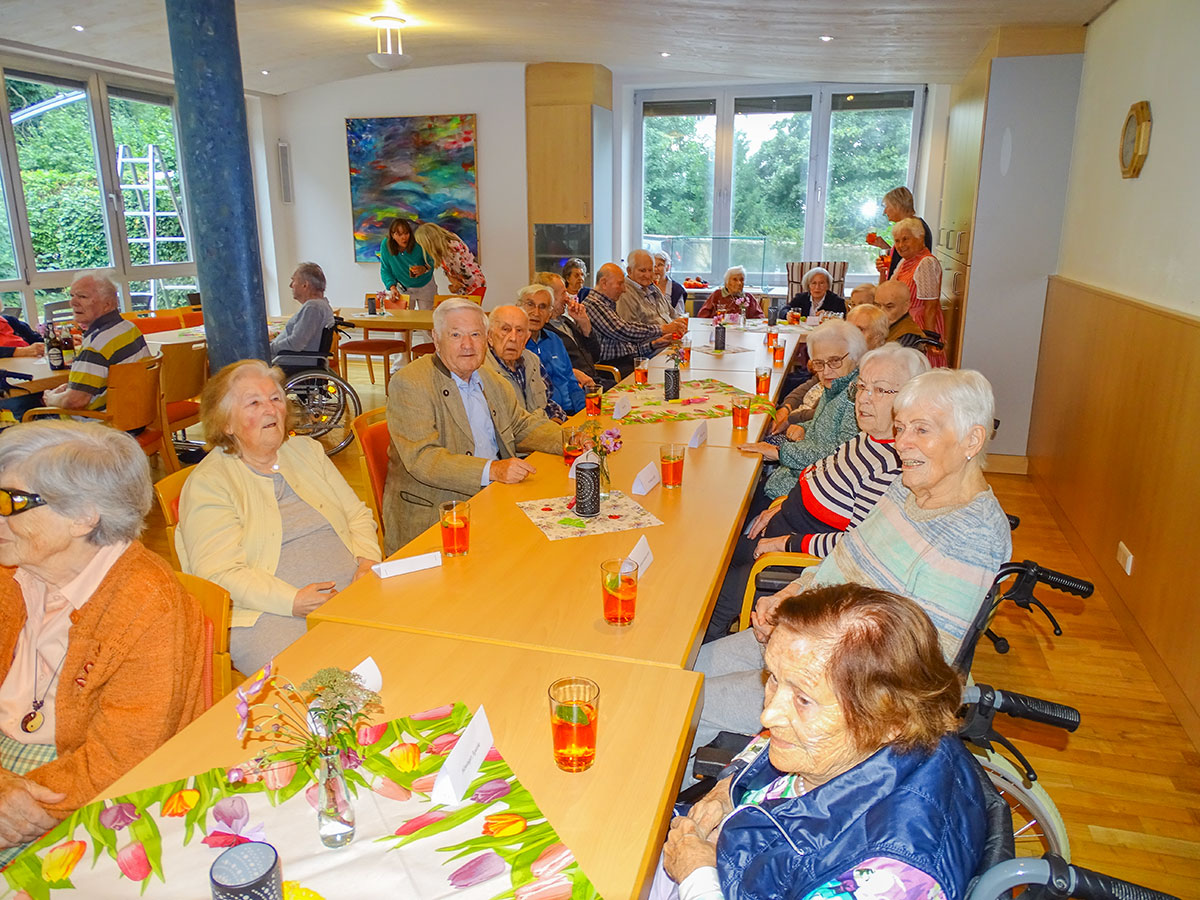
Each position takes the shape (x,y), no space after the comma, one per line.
(565,388)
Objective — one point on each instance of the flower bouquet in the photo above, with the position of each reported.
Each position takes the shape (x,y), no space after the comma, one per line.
(602,443)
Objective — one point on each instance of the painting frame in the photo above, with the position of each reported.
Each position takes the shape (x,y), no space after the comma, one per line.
(422,167)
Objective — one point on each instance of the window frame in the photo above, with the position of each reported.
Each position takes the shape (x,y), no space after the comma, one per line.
(123,271)
(818,161)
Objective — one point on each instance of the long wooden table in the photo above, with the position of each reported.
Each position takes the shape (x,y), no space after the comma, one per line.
(613,817)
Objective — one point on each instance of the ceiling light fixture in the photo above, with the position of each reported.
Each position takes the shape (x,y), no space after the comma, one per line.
(664,54)
(77,27)
(265,72)
(389,53)
(826,38)
(849,96)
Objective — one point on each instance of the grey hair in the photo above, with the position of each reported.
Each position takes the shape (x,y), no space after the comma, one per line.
(312,275)
(636,252)
(83,471)
(105,286)
(454,304)
(837,330)
(813,271)
(911,226)
(877,323)
(665,257)
(912,362)
(964,394)
(733,270)
(532,289)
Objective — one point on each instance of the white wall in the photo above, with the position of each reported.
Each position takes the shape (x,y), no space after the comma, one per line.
(318,226)
(931,155)
(1136,236)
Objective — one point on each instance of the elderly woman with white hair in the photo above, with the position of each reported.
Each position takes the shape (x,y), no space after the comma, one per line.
(267,516)
(731,298)
(818,295)
(920,270)
(675,292)
(937,536)
(101,649)
(834,348)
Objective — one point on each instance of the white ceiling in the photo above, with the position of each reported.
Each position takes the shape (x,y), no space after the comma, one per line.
(307,42)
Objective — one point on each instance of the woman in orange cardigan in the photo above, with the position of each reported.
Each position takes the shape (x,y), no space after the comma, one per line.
(101,649)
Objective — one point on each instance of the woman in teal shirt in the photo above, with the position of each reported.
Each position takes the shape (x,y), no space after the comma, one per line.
(405,267)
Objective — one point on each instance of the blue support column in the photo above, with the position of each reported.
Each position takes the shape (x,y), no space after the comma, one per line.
(215,152)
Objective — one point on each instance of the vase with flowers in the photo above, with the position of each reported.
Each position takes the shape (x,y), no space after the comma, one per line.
(310,726)
(602,443)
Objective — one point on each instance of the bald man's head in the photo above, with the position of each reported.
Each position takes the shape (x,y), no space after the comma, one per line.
(892,297)
(508,331)
(610,280)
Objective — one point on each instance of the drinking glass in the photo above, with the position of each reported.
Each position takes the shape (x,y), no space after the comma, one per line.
(456,527)
(572,439)
(574,709)
(671,458)
(741,411)
(777,350)
(685,351)
(641,370)
(762,381)
(772,337)
(618,589)
(592,402)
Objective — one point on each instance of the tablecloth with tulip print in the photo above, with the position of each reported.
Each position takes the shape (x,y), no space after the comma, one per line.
(161,842)
(706,398)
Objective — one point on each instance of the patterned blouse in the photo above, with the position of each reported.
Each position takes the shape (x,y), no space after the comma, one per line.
(462,270)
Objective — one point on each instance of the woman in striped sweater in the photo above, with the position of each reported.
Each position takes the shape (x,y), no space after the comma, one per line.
(834,493)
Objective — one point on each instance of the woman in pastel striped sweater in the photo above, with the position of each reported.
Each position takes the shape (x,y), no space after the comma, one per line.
(834,493)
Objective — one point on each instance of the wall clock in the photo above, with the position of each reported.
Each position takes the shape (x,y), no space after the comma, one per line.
(1135,139)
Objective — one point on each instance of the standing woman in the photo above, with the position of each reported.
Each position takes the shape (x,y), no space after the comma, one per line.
(405,267)
(921,271)
(447,250)
(897,205)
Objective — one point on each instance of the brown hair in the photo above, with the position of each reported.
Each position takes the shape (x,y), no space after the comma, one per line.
(901,197)
(885,664)
(405,226)
(216,402)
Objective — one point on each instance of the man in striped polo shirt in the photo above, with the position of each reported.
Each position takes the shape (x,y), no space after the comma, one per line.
(107,340)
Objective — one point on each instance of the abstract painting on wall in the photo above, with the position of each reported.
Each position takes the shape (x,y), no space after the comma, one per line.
(418,167)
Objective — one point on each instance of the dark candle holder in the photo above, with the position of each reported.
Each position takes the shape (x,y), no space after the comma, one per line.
(248,871)
(587,489)
(719,337)
(671,384)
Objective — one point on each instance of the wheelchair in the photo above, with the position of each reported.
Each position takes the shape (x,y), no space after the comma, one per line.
(324,402)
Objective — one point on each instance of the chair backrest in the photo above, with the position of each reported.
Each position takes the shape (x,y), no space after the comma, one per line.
(185,369)
(217,607)
(191,318)
(439,299)
(797,270)
(57,311)
(163,322)
(134,397)
(167,490)
(420,350)
(371,431)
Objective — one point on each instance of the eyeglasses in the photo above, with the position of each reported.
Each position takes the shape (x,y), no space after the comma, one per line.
(833,362)
(13,502)
(858,389)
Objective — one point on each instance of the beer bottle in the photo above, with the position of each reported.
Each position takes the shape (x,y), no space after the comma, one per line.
(68,348)
(54,350)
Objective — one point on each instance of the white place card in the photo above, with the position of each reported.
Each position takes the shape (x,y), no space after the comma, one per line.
(646,479)
(368,671)
(462,765)
(407,564)
(641,555)
(585,456)
(622,407)
(699,436)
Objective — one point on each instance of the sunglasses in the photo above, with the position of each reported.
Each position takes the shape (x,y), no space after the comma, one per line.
(13,502)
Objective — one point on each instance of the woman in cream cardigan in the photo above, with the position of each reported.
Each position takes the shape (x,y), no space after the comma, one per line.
(268,517)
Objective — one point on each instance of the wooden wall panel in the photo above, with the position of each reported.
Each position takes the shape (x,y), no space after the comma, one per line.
(559,164)
(1113,439)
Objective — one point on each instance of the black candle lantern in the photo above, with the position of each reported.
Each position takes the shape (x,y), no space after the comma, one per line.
(671,383)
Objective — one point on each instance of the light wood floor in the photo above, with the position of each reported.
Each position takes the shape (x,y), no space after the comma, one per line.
(1128,781)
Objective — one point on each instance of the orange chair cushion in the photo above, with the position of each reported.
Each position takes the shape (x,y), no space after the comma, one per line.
(182,409)
(148,437)
(373,345)
(157,323)
(375,453)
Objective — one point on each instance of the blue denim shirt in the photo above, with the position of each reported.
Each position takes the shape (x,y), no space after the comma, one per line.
(564,387)
(480,417)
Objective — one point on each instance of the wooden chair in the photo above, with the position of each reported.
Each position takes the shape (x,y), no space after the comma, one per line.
(191,318)
(368,347)
(185,369)
(371,431)
(439,299)
(797,270)
(134,401)
(766,561)
(420,350)
(167,490)
(217,606)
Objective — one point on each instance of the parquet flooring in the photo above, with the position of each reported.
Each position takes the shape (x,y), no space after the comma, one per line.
(1128,781)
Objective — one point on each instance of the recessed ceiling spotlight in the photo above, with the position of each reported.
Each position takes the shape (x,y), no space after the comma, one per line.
(826,38)
(848,96)
(265,72)
(664,54)
(77,27)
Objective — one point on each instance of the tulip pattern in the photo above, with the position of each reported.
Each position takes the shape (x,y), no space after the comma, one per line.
(496,841)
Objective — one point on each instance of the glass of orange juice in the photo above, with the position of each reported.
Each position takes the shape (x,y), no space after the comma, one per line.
(762,381)
(671,458)
(456,527)
(741,411)
(641,370)
(574,710)
(618,588)
(772,337)
(572,439)
(685,351)
(778,351)
(592,401)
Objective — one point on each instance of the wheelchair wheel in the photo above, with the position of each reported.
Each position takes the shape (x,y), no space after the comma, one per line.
(1037,826)
(325,404)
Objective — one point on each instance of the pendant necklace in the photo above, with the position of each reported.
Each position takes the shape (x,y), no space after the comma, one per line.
(33,719)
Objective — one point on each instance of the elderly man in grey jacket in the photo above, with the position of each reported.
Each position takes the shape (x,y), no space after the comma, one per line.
(455,425)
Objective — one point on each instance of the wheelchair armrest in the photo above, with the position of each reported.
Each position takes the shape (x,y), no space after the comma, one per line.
(766,561)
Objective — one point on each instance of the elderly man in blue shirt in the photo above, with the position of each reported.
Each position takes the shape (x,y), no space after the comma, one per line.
(565,387)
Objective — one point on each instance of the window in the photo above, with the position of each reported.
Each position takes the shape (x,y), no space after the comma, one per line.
(731,177)
(89,179)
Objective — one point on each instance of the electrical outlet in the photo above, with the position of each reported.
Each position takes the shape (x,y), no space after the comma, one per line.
(1124,558)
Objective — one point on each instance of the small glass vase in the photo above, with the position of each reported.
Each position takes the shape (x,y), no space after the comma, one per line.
(605,480)
(335,812)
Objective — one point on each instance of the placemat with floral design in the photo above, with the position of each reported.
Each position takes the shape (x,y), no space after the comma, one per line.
(557,520)
(707,398)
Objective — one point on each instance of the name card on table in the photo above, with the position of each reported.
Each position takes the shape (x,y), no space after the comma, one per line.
(462,765)
(646,479)
(372,680)
(699,436)
(641,555)
(622,407)
(585,456)
(407,564)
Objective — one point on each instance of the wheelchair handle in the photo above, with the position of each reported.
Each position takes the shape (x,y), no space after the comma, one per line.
(1060,582)
(1022,706)
(1060,880)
